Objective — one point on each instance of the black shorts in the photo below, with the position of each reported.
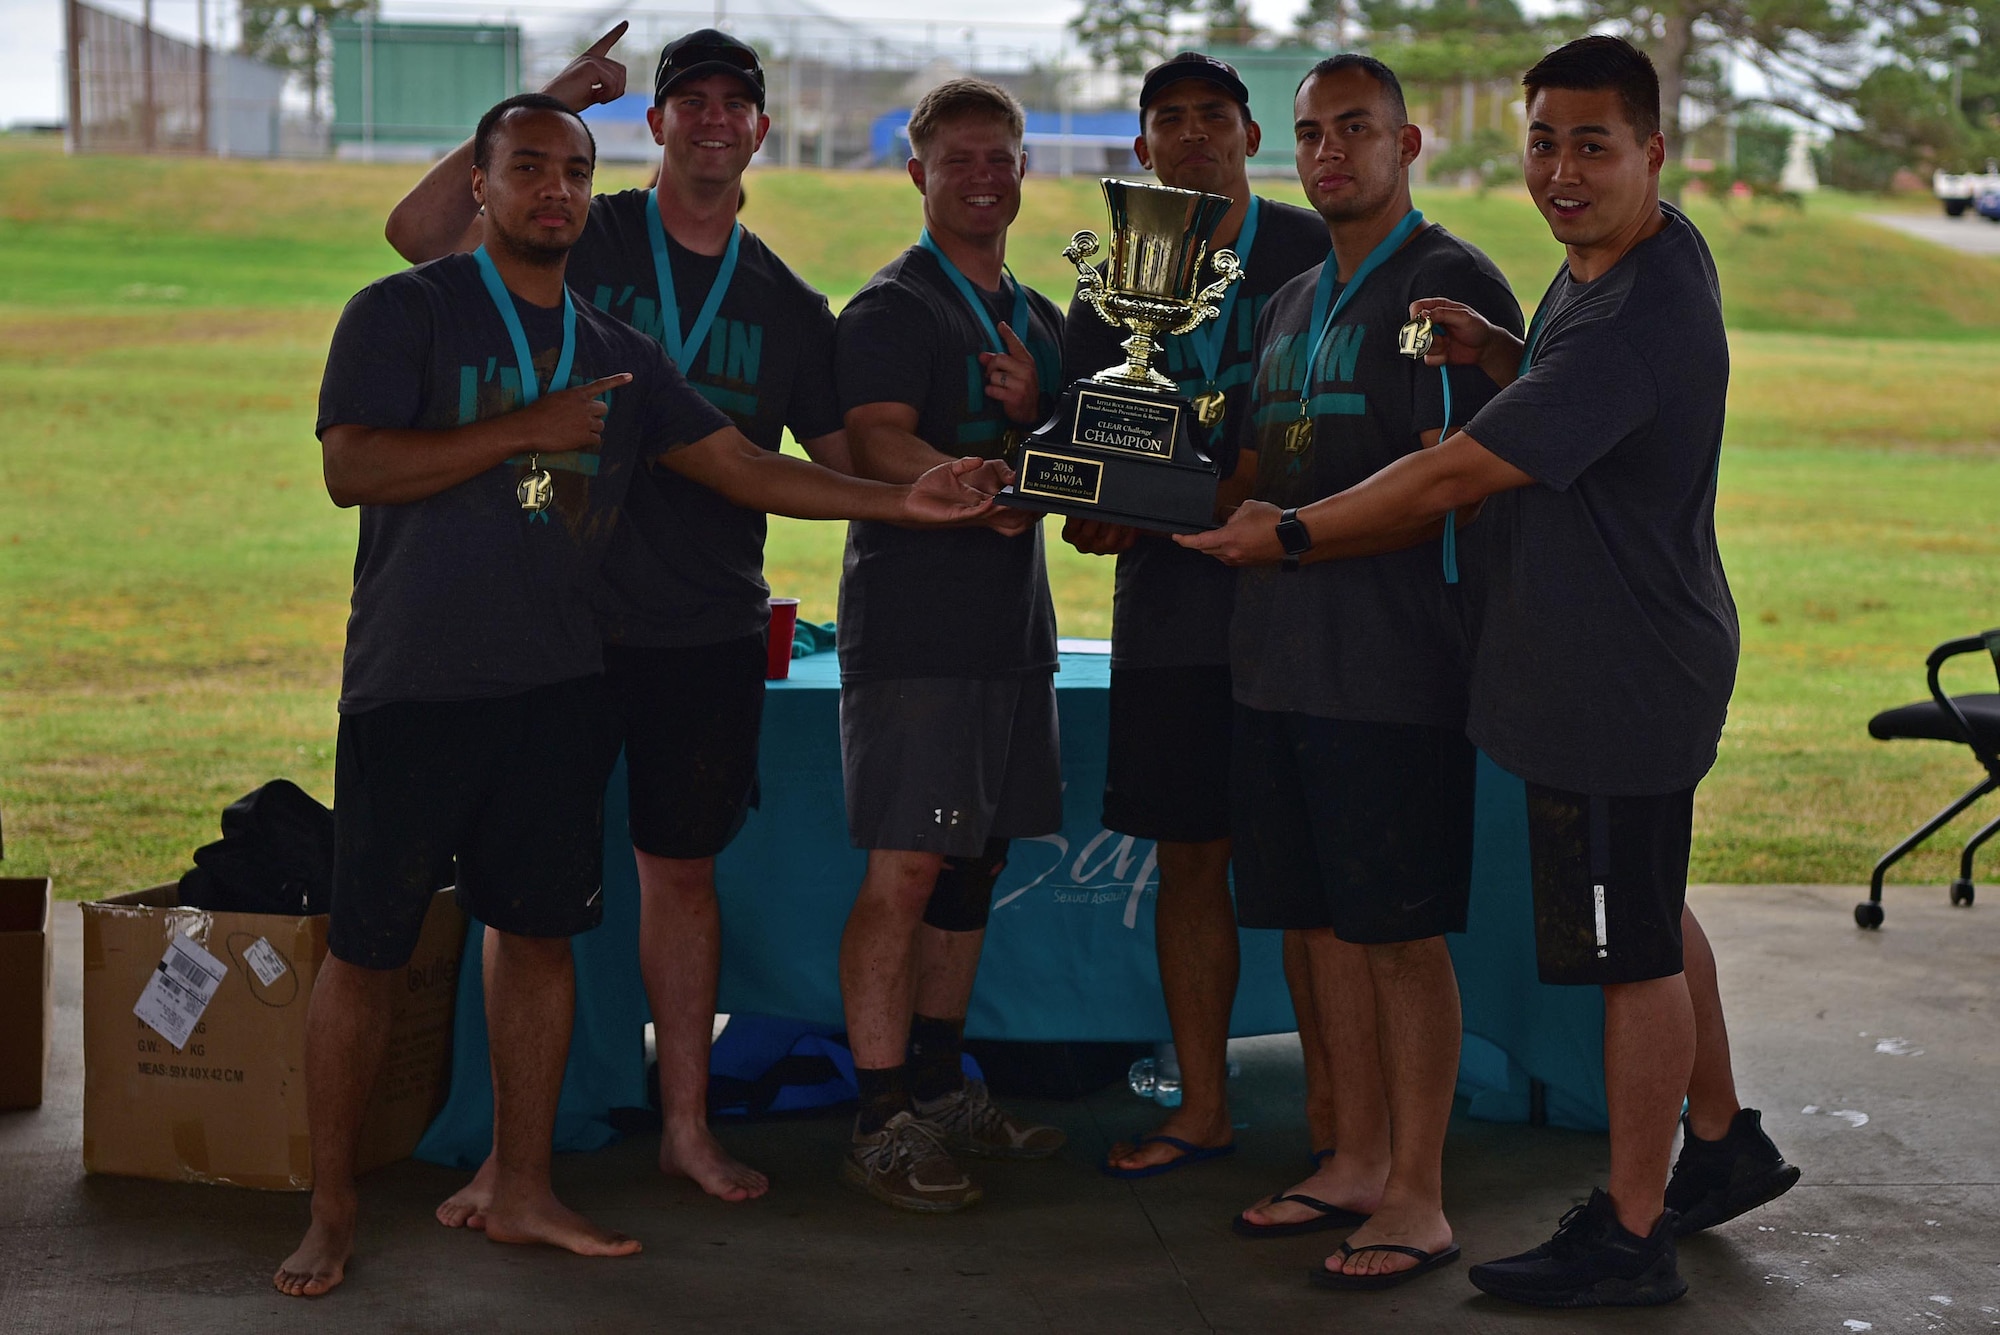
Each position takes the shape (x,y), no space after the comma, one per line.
(1610,880)
(944,764)
(692,719)
(513,788)
(1365,828)
(1166,769)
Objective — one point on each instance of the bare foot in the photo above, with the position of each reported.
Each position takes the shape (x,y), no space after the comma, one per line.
(1196,1128)
(321,1260)
(1421,1226)
(466,1207)
(1341,1180)
(692,1151)
(538,1217)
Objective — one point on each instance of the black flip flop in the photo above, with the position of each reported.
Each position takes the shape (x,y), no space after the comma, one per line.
(1330,1216)
(1331,1279)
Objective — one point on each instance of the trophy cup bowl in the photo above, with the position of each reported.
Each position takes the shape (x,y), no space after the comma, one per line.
(1151,284)
(1120,446)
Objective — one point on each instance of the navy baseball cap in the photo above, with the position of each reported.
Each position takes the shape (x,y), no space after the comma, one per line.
(1193,65)
(704,52)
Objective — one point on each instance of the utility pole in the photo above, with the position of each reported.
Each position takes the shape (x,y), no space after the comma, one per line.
(204,144)
(73,59)
(146,111)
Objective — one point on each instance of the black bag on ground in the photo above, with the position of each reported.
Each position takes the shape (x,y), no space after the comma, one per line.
(275,856)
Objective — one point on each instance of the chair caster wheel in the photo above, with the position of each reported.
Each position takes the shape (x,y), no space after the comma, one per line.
(1868,914)
(1961,894)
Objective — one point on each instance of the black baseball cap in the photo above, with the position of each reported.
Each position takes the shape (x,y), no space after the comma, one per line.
(704,52)
(1193,65)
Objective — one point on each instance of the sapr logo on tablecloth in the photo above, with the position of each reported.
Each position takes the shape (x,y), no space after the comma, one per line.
(1108,868)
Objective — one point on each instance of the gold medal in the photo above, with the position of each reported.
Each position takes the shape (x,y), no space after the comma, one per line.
(1414,339)
(536,489)
(1299,435)
(1010,444)
(1208,407)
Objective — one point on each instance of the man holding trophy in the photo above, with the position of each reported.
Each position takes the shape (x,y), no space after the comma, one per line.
(1353,779)
(1167,764)
(947,654)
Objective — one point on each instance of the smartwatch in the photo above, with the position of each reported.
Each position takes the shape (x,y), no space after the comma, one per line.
(1292,536)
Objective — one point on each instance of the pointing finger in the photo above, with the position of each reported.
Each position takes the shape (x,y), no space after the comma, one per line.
(1015,346)
(596,387)
(610,39)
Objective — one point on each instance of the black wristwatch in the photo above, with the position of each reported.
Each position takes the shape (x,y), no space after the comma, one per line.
(1292,536)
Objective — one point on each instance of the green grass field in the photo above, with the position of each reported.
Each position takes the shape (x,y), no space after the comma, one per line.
(173,580)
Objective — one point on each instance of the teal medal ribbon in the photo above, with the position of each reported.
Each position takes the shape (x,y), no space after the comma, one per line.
(1019,322)
(679,349)
(1323,317)
(1534,337)
(1209,341)
(537,482)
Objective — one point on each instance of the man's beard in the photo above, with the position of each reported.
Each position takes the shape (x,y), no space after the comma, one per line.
(533,249)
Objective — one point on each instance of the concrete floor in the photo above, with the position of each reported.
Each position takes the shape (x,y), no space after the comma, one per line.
(1896,1226)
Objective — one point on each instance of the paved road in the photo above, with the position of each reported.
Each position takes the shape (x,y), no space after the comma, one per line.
(1968,232)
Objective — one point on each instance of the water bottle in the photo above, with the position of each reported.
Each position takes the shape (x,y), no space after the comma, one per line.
(1159,1077)
(1142,1077)
(1166,1076)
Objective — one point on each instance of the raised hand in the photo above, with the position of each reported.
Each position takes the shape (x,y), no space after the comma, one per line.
(1094,537)
(593,77)
(568,419)
(1250,538)
(949,493)
(1011,379)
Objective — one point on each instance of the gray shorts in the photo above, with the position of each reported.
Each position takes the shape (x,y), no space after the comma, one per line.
(943,764)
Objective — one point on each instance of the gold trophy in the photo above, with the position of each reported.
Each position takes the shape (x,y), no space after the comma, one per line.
(1119,448)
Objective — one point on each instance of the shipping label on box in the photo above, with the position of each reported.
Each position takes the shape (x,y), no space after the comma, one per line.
(227,1104)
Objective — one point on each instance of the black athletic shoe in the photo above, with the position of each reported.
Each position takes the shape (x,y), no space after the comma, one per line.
(1590,1262)
(1716,1180)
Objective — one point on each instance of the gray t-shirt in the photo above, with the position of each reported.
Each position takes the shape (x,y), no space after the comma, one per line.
(1170,607)
(1605,635)
(1376,638)
(464,595)
(687,567)
(955,602)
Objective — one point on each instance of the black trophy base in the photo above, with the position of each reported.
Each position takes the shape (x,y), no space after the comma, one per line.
(1120,454)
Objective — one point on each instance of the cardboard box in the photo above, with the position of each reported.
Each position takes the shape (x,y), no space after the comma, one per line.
(27,988)
(230,1107)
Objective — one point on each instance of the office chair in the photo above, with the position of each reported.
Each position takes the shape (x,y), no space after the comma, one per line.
(1972,720)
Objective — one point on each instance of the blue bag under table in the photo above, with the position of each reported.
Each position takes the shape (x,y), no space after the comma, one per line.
(1069,953)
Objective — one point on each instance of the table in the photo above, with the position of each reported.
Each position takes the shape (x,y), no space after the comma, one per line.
(1069,953)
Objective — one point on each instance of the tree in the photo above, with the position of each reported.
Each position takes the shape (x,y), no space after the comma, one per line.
(1135,34)
(294,36)
(1128,34)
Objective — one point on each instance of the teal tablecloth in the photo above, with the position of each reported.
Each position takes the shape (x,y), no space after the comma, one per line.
(1069,954)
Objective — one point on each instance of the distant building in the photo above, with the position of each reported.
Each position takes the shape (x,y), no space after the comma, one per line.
(417,89)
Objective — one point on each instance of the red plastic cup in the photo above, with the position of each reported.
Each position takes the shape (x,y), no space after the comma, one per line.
(784,619)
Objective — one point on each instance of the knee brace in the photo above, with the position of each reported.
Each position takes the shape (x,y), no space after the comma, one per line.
(962,899)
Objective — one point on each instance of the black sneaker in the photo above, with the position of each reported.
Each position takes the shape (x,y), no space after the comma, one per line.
(1590,1262)
(1716,1180)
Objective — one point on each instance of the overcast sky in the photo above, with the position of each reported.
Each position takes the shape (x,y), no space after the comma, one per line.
(31,35)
